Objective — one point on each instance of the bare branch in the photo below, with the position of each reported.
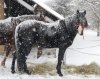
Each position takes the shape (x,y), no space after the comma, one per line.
(93,9)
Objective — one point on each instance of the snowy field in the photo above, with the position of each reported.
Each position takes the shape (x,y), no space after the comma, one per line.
(83,51)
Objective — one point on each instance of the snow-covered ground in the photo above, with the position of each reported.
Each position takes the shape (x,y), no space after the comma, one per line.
(83,51)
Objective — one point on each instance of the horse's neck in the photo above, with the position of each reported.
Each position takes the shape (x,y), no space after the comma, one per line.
(70,25)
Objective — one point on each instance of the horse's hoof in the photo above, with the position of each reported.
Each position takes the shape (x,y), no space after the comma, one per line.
(20,72)
(60,75)
(28,72)
(3,64)
(13,72)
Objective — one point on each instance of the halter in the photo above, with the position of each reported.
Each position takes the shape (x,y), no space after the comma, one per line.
(77,22)
(63,24)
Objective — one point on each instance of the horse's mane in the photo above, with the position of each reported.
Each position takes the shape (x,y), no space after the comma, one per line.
(70,18)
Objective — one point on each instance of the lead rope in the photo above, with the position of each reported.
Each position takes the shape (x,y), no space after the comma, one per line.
(83,36)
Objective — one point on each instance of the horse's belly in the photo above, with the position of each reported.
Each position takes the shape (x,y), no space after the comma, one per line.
(46,44)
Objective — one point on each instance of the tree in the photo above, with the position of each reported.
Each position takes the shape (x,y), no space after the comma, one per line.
(60,6)
(93,5)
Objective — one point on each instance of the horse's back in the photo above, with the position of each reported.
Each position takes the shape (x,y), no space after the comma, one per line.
(38,26)
(40,32)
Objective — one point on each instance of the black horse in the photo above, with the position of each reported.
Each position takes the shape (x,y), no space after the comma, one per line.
(59,34)
(7,31)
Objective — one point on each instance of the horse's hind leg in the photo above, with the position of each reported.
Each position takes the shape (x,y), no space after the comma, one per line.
(21,61)
(7,49)
(21,64)
(22,54)
(13,62)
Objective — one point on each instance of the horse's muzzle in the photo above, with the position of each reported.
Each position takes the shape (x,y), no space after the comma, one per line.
(80,30)
(81,33)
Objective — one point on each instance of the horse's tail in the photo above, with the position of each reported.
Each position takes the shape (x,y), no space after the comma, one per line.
(17,39)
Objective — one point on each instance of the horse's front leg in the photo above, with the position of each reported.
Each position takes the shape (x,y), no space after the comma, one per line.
(60,59)
(13,62)
(7,51)
(62,50)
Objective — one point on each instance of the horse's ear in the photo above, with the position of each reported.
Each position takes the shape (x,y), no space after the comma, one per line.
(78,12)
(85,12)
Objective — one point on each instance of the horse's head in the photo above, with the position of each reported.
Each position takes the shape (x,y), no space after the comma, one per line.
(81,21)
(40,17)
